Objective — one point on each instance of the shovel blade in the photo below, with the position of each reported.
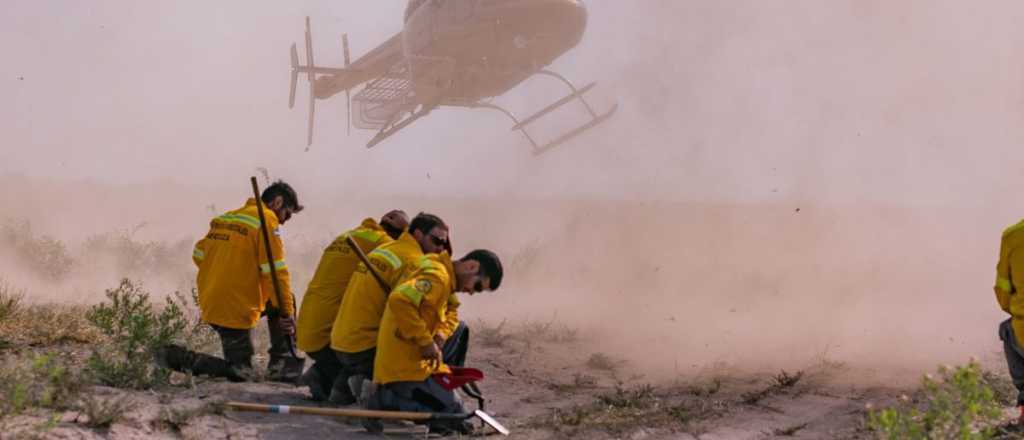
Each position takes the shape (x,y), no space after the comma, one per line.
(492,422)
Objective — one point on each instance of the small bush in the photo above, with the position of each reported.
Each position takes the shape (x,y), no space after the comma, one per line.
(102,413)
(639,397)
(41,382)
(956,405)
(10,299)
(601,361)
(43,255)
(136,330)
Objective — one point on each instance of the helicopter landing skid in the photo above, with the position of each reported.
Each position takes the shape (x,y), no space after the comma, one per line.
(595,118)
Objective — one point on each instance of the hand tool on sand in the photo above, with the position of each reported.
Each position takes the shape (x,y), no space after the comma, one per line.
(459,377)
(270,259)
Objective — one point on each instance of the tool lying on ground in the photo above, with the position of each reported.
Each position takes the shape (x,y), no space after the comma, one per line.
(459,377)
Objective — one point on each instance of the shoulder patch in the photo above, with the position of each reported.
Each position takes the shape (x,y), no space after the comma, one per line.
(423,285)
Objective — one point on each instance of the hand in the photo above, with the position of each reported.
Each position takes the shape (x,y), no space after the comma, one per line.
(439,340)
(432,355)
(286,325)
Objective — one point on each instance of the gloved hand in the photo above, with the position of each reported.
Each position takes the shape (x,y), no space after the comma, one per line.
(286,325)
(432,354)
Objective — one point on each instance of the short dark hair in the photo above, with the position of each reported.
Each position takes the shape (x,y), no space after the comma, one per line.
(490,265)
(280,188)
(425,223)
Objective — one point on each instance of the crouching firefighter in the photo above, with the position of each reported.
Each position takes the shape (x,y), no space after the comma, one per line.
(235,290)
(354,335)
(420,318)
(323,298)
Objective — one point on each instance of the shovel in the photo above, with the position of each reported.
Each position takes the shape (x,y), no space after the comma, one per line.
(366,413)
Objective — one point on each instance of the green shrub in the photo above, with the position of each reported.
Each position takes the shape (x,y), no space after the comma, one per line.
(136,330)
(43,381)
(959,404)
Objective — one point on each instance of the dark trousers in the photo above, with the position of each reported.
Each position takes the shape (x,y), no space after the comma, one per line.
(238,351)
(428,395)
(327,366)
(353,364)
(1014,358)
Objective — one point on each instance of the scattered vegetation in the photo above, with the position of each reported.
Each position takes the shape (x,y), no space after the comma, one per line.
(175,419)
(136,329)
(10,299)
(601,361)
(638,397)
(42,381)
(102,413)
(491,336)
(708,390)
(780,382)
(45,256)
(958,404)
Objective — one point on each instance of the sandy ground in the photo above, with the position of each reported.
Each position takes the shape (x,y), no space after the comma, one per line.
(539,390)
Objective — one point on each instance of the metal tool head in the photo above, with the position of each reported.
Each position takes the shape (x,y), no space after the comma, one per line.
(492,422)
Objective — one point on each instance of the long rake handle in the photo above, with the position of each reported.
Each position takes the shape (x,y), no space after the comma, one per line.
(366,261)
(345,412)
(270,260)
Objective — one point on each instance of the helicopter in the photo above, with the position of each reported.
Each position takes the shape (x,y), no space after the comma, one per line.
(453,53)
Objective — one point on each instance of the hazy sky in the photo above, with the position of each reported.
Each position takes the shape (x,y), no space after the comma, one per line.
(784,100)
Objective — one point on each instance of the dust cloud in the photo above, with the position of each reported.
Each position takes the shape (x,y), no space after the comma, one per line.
(785,181)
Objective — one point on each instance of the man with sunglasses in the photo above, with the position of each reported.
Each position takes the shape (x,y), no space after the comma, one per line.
(235,290)
(323,298)
(354,334)
(420,318)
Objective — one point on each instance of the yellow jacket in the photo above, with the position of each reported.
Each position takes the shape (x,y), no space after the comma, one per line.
(1009,271)
(355,326)
(417,309)
(322,300)
(234,274)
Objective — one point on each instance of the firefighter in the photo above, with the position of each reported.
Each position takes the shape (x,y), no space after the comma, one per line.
(322,300)
(235,290)
(420,318)
(1009,271)
(354,335)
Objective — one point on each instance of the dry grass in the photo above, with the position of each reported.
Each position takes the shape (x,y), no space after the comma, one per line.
(43,325)
(491,336)
(781,381)
(101,413)
(10,299)
(175,419)
(601,361)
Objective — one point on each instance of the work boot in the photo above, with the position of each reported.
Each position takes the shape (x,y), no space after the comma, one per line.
(450,427)
(312,379)
(373,426)
(178,358)
(341,394)
(286,369)
(360,388)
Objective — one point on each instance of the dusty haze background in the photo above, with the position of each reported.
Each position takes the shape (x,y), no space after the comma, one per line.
(785,180)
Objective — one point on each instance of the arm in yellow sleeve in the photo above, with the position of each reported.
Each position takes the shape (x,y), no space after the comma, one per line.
(283,277)
(451,317)
(409,301)
(1004,287)
(199,252)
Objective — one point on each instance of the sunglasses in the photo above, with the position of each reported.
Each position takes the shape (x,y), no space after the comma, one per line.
(437,241)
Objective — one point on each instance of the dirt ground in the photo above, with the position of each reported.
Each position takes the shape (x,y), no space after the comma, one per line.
(541,383)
